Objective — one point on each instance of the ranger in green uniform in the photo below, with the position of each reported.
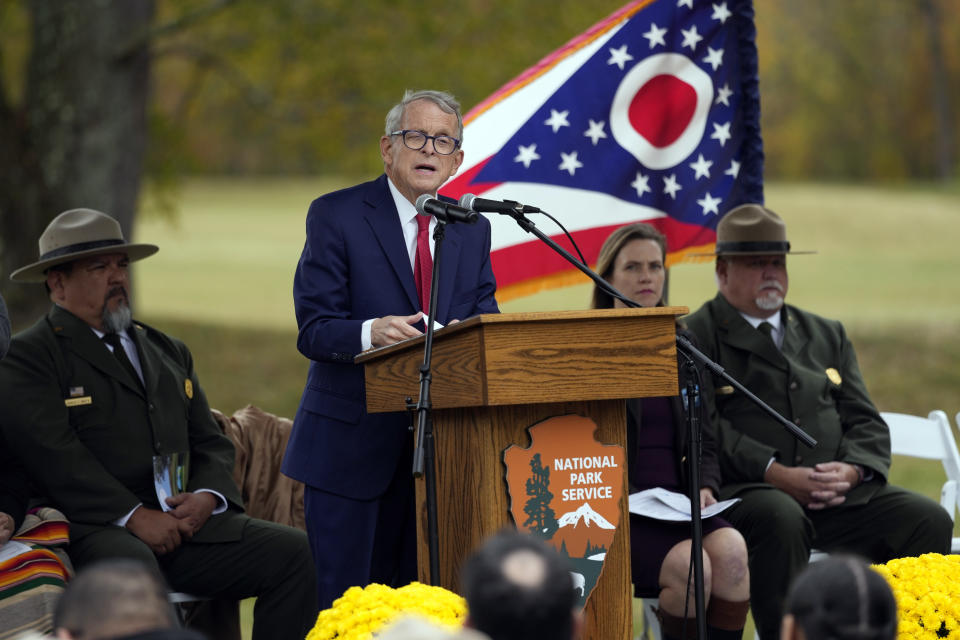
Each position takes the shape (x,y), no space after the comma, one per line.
(833,497)
(92,402)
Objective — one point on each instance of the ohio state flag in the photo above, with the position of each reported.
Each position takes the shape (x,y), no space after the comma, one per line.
(650,115)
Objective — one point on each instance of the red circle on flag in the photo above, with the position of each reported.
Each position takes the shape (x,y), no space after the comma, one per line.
(659,111)
(662,109)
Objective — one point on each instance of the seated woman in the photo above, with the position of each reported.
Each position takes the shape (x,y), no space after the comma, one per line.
(632,260)
(840,598)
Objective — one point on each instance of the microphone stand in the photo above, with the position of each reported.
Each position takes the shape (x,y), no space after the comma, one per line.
(691,403)
(423,453)
(692,399)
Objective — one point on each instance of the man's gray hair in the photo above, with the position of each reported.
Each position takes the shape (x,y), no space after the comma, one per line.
(444,100)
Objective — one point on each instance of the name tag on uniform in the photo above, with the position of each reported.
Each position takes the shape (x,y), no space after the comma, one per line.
(76,402)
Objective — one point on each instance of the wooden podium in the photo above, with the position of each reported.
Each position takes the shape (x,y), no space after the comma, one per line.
(494,376)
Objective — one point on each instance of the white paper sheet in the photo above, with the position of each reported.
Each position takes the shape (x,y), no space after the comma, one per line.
(436,325)
(660,504)
(12,549)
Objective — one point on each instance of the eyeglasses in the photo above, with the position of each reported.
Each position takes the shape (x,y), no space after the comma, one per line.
(416,140)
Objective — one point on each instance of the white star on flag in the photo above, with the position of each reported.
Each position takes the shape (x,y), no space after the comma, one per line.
(570,162)
(690,37)
(655,35)
(686,3)
(721,132)
(640,184)
(734,169)
(595,132)
(619,56)
(721,13)
(723,95)
(527,154)
(557,119)
(671,186)
(709,204)
(701,167)
(714,57)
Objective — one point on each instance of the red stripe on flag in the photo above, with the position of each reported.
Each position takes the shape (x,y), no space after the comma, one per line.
(534,259)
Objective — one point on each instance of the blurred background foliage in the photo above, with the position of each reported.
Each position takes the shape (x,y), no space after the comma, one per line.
(852,90)
(849,89)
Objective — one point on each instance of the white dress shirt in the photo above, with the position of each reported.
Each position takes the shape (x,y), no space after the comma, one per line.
(408,222)
(774,320)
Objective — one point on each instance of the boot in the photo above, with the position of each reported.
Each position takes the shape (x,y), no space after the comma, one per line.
(675,627)
(725,618)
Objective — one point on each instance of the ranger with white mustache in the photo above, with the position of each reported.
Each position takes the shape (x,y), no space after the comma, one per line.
(833,497)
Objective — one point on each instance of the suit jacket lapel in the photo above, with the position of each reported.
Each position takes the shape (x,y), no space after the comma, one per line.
(85,344)
(740,335)
(794,337)
(385,222)
(148,360)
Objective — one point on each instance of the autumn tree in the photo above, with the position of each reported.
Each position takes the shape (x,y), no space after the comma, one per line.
(78,132)
(75,130)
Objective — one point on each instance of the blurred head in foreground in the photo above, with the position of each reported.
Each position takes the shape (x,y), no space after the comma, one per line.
(840,598)
(115,599)
(414,628)
(517,587)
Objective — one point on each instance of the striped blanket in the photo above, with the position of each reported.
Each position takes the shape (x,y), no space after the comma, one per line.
(31,582)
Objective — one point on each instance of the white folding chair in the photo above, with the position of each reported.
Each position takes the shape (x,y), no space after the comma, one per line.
(930,438)
(651,626)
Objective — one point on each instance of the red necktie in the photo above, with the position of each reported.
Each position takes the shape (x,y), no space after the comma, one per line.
(423,262)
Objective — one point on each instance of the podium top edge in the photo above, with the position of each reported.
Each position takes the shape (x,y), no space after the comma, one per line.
(524,316)
(587,314)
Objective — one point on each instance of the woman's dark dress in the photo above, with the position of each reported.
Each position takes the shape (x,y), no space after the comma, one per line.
(655,462)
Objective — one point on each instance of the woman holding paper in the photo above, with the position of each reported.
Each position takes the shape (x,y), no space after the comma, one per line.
(632,260)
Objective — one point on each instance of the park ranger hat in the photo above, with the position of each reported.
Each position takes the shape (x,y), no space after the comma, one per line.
(749,230)
(75,234)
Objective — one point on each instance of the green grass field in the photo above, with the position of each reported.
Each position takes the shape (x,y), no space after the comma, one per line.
(887,257)
(887,267)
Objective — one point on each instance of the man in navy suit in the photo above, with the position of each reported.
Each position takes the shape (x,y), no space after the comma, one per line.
(362,281)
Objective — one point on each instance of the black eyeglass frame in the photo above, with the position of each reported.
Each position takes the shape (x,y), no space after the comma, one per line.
(426,138)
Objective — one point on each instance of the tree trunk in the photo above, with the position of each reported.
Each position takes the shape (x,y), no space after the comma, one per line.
(79,136)
(940,83)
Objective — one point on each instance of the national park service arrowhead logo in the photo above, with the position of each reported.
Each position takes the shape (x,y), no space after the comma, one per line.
(566,488)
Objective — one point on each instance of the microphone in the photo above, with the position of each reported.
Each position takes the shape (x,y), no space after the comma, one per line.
(427,205)
(482,205)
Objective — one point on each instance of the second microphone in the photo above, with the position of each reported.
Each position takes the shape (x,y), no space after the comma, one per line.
(448,212)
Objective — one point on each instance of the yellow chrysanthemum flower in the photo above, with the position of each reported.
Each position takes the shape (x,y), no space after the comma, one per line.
(360,613)
(927,590)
